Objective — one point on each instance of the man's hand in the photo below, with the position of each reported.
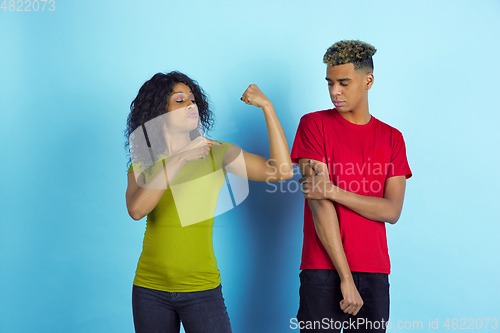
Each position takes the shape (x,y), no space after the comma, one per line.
(319,186)
(352,301)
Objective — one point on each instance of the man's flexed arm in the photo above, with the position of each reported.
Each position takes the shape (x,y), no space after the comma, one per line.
(327,228)
(386,209)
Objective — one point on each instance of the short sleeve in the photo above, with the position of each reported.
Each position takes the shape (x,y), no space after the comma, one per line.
(136,167)
(309,141)
(219,152)
(399,162)
(148,170)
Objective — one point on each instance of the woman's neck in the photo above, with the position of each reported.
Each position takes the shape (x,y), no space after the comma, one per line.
(175,142)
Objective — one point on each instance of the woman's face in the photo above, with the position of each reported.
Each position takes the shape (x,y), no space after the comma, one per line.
(180,97)
(182,112)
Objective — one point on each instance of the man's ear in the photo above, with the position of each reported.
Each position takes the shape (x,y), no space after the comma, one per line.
(369,80)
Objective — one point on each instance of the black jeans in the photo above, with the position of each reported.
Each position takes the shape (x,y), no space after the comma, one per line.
(320,297)
(161,311)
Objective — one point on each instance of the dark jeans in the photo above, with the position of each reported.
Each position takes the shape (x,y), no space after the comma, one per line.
(161,311)
(320,297)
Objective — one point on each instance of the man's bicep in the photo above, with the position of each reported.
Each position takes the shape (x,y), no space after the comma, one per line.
(306,170)
(309,139)
(394,190)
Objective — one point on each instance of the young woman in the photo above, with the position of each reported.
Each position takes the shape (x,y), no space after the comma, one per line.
(174,179)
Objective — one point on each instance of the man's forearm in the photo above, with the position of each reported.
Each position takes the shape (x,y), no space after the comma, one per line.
(373,208)
(327,228)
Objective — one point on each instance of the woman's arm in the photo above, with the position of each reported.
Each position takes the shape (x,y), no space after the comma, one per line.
(254,167)
(143,197)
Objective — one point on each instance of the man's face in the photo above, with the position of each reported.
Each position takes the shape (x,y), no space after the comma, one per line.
(348,87)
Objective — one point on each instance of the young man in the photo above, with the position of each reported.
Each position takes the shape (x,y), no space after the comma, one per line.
(354,171)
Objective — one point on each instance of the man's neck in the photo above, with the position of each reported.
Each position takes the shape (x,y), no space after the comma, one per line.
(360,116)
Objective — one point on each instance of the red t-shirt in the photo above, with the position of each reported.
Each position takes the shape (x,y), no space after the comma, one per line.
(360,158)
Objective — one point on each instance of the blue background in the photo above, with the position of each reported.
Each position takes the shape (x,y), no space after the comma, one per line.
(68,249)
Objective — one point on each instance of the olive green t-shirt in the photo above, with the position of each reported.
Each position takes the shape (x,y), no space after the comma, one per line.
(177,252)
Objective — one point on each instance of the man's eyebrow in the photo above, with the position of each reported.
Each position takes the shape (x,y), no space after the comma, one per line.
(340,80)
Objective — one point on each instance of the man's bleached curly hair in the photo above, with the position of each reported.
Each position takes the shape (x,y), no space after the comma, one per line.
(350,51)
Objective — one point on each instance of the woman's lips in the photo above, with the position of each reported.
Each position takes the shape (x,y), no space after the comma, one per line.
(193,111)
(338,103)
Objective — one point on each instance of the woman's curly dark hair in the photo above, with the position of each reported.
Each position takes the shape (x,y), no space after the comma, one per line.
(151,103)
